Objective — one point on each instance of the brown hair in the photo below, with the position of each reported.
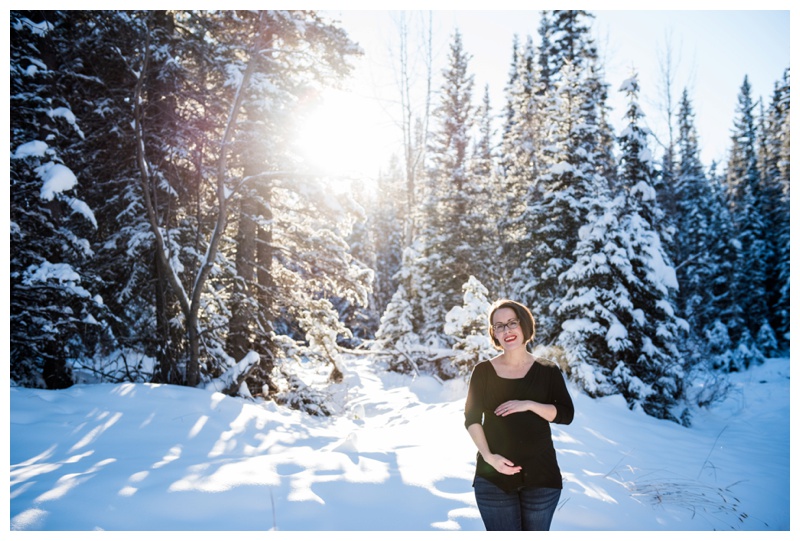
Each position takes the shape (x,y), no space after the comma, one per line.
(524,316)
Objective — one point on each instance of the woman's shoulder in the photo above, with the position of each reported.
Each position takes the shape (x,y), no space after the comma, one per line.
(484,366)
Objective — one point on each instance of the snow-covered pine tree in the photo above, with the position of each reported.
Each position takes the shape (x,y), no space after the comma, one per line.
(445,229)
(569,40)
(395,337)
(482,213)
(385,219)
(555,206)
(597,307)
(743,181)
(571,172)
(468,324)
(702,252)
(452,190)
(181,98)
(521,156)
(692,248)
(570,164)
(56,312)
(650,372)
(620,330)
(725,311)
(774,167)
(513,74)
(546,68)
(361,320)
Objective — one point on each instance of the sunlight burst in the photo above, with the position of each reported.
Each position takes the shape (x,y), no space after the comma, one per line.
(340,138)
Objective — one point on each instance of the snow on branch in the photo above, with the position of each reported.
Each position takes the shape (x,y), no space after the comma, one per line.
(234,375)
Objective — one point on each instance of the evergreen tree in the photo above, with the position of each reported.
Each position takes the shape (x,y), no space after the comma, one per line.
(513,74)
(521,155)
(444,239)
(720,335)
(636,315)
(569,40)
(544,60)
(620,329)
(568,171)
(701,258)
(383,217)
(743,181)
(55,306)
(208,241)
(482,214)
(597,307)
(468,323)
(557,200)
(774,167)
(396,336)
(656,330)
(448,228)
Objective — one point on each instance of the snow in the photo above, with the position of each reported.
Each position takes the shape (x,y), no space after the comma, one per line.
(68,115)
(561,168)
(631,84)
(83,209)
(231,375)
(39,29)
(56,178)
(395,456)
(35,149)
(63,273)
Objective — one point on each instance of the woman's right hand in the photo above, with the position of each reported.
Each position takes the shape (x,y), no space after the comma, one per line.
(502,464)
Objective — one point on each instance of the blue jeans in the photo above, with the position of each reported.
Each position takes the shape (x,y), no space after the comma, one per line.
(530,508)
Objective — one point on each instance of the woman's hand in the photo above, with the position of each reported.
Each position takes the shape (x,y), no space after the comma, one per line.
(545,411)
(502,464)
(513,406)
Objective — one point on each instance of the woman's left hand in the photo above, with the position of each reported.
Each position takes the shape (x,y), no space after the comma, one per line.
(512,406)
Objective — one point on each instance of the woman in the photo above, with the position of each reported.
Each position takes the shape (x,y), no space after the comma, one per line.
(511,402)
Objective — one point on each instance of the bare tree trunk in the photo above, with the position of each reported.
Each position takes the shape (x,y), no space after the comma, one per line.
(165,351)
(415,131)
(407,124)
(190,302)
(265,252)
(242,314)
(667,65)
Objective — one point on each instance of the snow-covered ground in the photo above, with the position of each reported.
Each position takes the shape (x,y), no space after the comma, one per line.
(395,457)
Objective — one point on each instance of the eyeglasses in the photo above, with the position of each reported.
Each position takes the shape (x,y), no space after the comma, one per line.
(510,325)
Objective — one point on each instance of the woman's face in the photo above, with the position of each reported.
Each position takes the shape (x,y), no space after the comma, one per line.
(502,321)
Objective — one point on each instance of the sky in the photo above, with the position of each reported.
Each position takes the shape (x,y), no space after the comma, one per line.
(394,456)
(712,51)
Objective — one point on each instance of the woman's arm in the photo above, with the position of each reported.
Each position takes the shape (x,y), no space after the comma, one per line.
(560,410)
(473,415)
(565,410)
(545,411)
(498,462)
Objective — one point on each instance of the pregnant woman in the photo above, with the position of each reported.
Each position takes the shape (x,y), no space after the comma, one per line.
(512,400)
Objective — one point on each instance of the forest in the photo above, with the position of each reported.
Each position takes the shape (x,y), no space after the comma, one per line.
(164,229)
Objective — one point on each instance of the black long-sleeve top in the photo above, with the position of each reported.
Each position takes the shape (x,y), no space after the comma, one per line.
(524,438)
